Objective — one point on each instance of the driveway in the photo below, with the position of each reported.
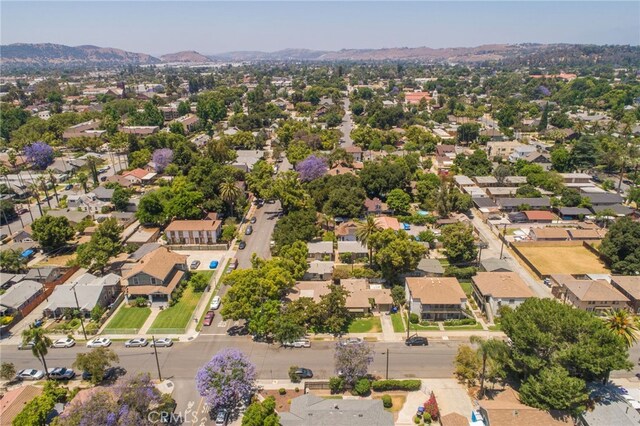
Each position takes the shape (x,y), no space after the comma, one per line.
(205,257)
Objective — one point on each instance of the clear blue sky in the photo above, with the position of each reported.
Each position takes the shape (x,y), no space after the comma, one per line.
(158,27)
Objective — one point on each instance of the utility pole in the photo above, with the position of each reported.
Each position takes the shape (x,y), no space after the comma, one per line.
(155,350)
(504,232)
(408,322)
(386,376)
(81,314)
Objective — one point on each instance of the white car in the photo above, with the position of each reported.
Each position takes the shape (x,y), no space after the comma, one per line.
(100,342)
(138,342)
(351,341)
(215,302)
(30,374)
(61,373)
(164,342)
(63,343)
(302,343)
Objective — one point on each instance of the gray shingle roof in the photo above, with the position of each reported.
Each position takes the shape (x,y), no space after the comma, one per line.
(515,202)
(311,410)
(17,294)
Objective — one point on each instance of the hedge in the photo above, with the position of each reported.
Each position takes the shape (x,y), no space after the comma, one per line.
(460,273)
(388,385)
(464,321)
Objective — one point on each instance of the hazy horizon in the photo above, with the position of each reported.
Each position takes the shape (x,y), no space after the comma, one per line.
(159,28)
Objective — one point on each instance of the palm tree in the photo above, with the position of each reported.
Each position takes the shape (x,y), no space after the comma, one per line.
(42,183)
(364,231)
(229,192)
(630,154)
(488,349)
(54,181)
(34,190)
(41,343)
(621,323)
(83,179)
(578,127)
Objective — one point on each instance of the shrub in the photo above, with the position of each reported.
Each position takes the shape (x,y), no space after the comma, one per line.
(387,385)
(297,389)
(92,328)
(387,401)
(417,420)
(282,391)
(362,387)
(141,302)
(463,321)
(292,374)
(414,318)
(460,273)
(427,418)
(74,323)
(336,384)
(431,408)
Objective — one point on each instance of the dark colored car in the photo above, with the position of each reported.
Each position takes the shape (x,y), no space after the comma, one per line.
(242,245)
(109,374)
(253,220)
(195,264)
(249,230)
(23,211)
(208,318)
(304,373)
(237,330)
(416,341)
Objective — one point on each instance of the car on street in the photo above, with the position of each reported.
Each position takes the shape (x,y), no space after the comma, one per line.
(302,343)
(61,373)
(23,211)
(68,187)
(238,330)
(99,342)
(27,345)
(351,341)
(304,373)
(163,342)
(416,341)
(215,303)
(109,373)
(213,264)
(253,220)
(138,342)
(195,264)
(67,342)
(222,417)
(208,318)
(30,374)
(249,230)
(272,244)
(242,245)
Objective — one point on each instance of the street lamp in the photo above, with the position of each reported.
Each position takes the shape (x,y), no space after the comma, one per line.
(81,314)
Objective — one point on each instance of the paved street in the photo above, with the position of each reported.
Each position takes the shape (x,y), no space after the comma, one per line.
(347,125)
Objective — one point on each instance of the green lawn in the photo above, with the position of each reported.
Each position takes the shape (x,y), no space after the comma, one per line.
(464,327)
(497,327)
(467,287)
(398,322)
(366,325)
(129,318)
(178,316)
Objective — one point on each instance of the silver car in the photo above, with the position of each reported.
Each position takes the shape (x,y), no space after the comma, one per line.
(63,343)
(138,342)
(100,342)
(164,342)
(61,373)
(30,374)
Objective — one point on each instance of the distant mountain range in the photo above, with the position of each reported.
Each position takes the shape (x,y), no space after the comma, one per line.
(47,55)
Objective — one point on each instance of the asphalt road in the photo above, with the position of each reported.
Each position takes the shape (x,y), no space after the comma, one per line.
(347,125)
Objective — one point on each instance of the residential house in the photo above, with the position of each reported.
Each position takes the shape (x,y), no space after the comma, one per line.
(573,213)
(319,270)
(463,181)
(543,159)
(428,268)
(346,231)
(501,192)
(355,151)
(609,406)
(90,291)
(445,154)
(86,129)
(139,130)
(247,158)
(485,181)
(142,235)
(521,152)
(513,204)
(493,264)
(193,231)
(618,210)
(596,296)
(376,206)
(44,275)
(156,275)
(549,234)
(414,98)
(23,235)
(321,250)
(515,180)
(365,297)
(502,149)
(312,410)
(505,409)
(629,286)
(138,176)
(387,222)
(493,134)
(604,199)
(19,296)
(122,181)
(189,122)
(13,402)
(586,234)
(575,177)
(86,202)
(493,290)
(66,166)
(103,194)
(356,248)
(539,216)
(340,170)
(435,298)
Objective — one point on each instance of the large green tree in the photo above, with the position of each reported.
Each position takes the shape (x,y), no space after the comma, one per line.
(96,362)
(621,246)
(52,232)
(554,389)
(459,243)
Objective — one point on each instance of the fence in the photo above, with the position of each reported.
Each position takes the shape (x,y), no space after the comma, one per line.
(167,330)
(120,331)
(316,385)
(198,247)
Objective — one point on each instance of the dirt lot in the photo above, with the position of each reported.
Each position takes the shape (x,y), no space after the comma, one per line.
(563,260)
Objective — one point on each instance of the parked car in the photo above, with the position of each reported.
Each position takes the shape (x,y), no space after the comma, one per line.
(302,343)
(238,330)
(242,245)
(61,373)
(67,342)
(208,318)
(195,264)
(99,342)
(138,342)
(416,341)
(27,345)
(304,373)
(163,342)
(406,226)
(351,341)
(23,211)
(253,220)
(215,303)
(213,264)
(249,230)
(30,374)
(109,373)
(68,187)
(222,417)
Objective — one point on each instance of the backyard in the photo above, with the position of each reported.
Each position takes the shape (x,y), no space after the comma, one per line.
(176,318)
(366,325)
(127,318)
(563,259)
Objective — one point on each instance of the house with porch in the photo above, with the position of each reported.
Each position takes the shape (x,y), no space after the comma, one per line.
(597,296)
(90,290)
(320,250)
(435,298)
(493,290)
(156,275)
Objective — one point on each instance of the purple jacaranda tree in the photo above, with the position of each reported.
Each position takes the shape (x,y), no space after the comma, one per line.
(226,379)
(39,154)
(544,91)
(311,168)
(162,158)
(352,360)
(128,403)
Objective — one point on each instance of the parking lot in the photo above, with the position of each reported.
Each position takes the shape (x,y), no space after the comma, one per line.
(205,257)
